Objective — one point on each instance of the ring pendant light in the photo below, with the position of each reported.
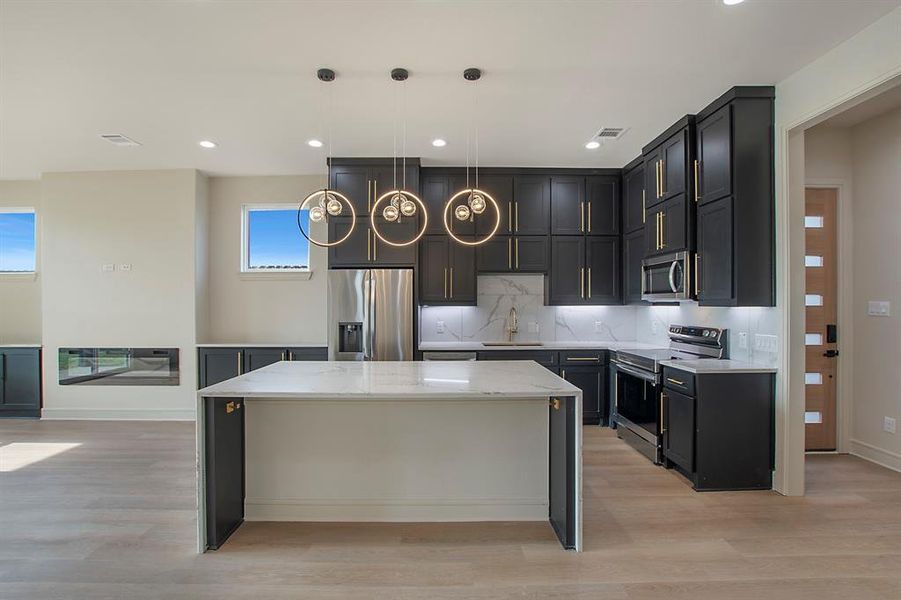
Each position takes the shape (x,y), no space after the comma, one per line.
(400,202)
(325,203)
(476,200)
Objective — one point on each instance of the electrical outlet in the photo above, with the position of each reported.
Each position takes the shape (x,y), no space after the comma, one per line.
(598,326)
(654,327)
(879,308)
(766,343)
(107,267)
(888,424)
(439,326)
(125,267)
(743,340)
(532,327)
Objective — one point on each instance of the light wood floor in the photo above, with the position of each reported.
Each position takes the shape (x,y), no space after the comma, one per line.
(114,518)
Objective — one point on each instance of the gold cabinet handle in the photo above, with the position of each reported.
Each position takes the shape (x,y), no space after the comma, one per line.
(657,169)
(563,373)
(662,178)
(662,230)
(697,193)
(240,362)
(375,190)
(229,408)
(697,275)
(582,281)
(516,216)
(451,282)
(582,217)
(284,356)
(583,358)
(368,244)
(555,403)
(375,247)
(676,381)
(510,216)
(589,217)
(445,283)
(589,282)
(509,253)
(517,254)
(368,195)
(290,355)
(644,210)
(657,216)
(662,418)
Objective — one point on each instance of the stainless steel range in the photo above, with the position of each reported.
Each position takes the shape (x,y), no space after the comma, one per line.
(637,383)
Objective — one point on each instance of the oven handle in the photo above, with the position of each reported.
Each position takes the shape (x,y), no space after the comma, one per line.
(635,372)
(672,276)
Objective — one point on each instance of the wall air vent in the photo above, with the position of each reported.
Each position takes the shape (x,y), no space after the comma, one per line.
(611,133)
(119,140)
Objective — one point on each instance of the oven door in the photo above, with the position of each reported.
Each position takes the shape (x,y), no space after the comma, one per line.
(665,278)
(637,404)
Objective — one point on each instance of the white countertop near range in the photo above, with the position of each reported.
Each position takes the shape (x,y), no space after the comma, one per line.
(20,345)
(436,379)
(258,345)
(479,346)
(716,366)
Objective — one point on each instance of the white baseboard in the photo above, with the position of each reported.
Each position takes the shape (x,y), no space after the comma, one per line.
(884,458)
(396,510)
(104,414)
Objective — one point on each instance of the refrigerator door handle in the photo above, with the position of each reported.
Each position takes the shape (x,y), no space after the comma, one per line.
(372,315)
(367,315)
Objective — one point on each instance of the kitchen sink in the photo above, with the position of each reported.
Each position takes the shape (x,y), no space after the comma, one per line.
(512,344)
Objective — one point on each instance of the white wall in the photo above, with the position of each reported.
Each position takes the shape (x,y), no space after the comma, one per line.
(857,66)
(249,308)
(876,157)
(142,218)
(20,297)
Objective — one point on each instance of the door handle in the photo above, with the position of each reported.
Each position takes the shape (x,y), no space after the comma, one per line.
(589,217)
(697,275)
(240,362)
(510,216)
(662,230)
(516,216)
(644,216)
(662,177)
(582,282)
(830,353)
(662,417)
(510,253)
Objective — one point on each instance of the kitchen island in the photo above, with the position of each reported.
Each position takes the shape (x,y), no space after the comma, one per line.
(390,441)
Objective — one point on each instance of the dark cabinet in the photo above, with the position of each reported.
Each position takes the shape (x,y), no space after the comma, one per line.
(602,205)
(633,254)
(20,382)
(592,380)
(568,205)
(667,229)
(584,270)
(633,196)
(355,250)
(678,427)
(531,204)
(257,358)
(447,272)
(364,249)
(224,456)
(674,157)
(385,252)
(364,180)
(217,364)
(667,160)
(500,187)
(437,189)
(513,254)
(713,261)
(736,199)
(602,260)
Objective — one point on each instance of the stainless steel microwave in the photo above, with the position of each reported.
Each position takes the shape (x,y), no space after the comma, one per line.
(665,278)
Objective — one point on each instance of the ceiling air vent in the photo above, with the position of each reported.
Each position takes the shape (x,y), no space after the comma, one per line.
(119,140)
(610,133)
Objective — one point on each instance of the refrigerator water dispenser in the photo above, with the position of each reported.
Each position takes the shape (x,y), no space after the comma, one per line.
(350,337)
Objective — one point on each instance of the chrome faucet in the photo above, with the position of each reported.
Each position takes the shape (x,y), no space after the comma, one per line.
(512,324)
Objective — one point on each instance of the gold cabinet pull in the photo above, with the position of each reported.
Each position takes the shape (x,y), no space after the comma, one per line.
(284,356)
(697,275)
(517,254)
(644,216)
(582,281)
(445,283)
(451,282)
(375,190)
(583,358)
(589,282)
(662,230)
(290,355)
(676,381)
(509,253)
(563,373)
(368,244)
(368,195)
(375,247)
(657,167)
(657,227)
(555,403)
(582,217)
(240,362)
(229,408)
(662,418)
(589,217)
(662,178)
(516,216)
(510,216)
(696,180)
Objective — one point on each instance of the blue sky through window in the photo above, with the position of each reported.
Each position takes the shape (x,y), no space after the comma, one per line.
(274,242)
(17,242)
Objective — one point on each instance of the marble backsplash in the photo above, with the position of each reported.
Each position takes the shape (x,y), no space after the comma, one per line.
(498,293)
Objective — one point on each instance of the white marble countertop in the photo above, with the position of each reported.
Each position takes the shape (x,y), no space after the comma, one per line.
(479,346)
(716,366)
(438,379)
(258,345)
(21,345)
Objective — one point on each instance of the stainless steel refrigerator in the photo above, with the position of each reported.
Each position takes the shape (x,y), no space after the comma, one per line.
(370,314)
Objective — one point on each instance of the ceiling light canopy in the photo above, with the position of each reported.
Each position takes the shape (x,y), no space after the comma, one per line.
(208,144)
(439,143)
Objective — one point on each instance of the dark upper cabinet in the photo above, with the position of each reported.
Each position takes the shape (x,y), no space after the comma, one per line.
(633,196)
(602,270)
(736,199)
(674,154)
(668,227)
(531,204)
(437,189)
(446,272)
(667,162)
(513,254)
(385,254)
(500,187)
(566,277)
(364,249)
(602,205)
(714,156)
(363,180)
(20,382)
(568,209)
(633,254)
(713,278)
(678,426)
(593,383)
(219,364)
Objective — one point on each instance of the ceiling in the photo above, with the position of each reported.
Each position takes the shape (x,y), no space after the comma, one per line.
(169,74)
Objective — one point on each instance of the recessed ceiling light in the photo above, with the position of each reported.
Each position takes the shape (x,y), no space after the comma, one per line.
(732,2)
(207,144)
(314,143)
(593,145)
(439,143)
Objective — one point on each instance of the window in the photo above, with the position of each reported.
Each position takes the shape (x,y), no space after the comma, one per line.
(18,250)
(271,241)
(813,222)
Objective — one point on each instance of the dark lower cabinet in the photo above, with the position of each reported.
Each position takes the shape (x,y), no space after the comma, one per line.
(217,364)
(224,458)
(593,383)
(20,382)
(257,358)
(719,428)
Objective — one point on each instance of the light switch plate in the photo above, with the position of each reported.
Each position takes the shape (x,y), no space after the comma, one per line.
(532,327)
(598,326)
(888,424)
(107,267)
(743,340)
(439,326)
(125,267)
(879,308)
